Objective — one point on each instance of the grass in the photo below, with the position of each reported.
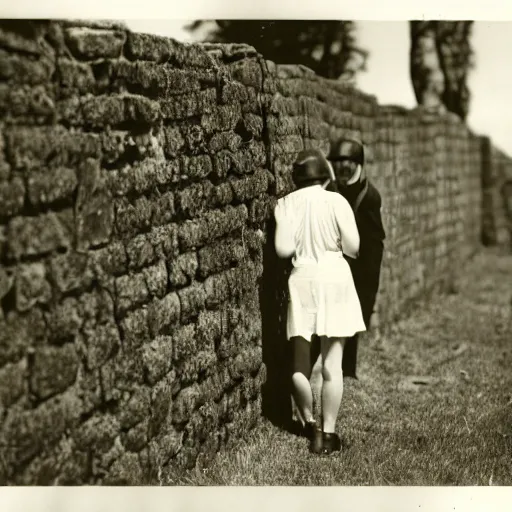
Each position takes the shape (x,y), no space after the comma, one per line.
(454,429)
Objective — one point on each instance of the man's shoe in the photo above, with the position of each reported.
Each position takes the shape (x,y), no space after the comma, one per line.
(331,442)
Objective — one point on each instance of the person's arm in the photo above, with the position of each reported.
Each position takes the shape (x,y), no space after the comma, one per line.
(373,207)
(348,228)
(284,239)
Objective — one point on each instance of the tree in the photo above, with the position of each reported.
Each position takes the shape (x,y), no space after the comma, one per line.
(441,58)
(327,47)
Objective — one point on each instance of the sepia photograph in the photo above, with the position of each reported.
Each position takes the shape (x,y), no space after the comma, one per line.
(255,252)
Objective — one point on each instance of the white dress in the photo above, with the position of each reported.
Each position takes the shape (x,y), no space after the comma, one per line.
(318,226)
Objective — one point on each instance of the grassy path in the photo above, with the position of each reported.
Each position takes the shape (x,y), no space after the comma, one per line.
(452,427)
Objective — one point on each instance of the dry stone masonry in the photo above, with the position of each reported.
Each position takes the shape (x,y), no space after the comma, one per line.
(140,296)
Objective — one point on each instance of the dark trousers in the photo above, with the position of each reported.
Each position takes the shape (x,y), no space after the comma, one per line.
(366,273)
(349,361)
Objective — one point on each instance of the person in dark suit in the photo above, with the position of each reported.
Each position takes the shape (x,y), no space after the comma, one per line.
(347,159)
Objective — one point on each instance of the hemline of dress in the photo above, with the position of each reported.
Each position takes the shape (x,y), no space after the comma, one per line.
(325,335)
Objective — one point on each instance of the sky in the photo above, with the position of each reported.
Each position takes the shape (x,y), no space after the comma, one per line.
(388,69)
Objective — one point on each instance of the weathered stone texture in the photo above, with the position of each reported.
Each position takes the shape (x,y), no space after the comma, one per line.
(137,180)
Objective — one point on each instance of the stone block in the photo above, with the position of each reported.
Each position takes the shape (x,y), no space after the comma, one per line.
(184,343)
(161,407)
(221,118)
(195,139)
(108,110)
(222,163)
(164,314)
(12,383)
(75,77)
(99,111)
(192,234)
(255,101)
(140,251)
(71,271)
(125,471)
(192,300)
(190,105)
(19,69)
(156,80)
(131,292)
(250,187)
(242,162)
(199,365)
(18,332)
(131,218)
(164,209)
(36,103)
(182,270)
(155,48)
(110,260)
(137,437)
(156,172)
(233,92)
(254,124)
(46,187)
(228,140)
(53,370)
(136,408)
(94,211)
(28,432)
(32,286)
(222,222)
(33,147)
(221,195)
(196,167)
(97,434)
(157,359)
(248,72)
(216,290)
(173,141)
(220,255)
(90,44)
(208,329)
(156,279)
(64,320)
(260,210)
(194,199)
(135,329)
(165,241)
(12,197)
(34,236)
(61,464)
(185,403)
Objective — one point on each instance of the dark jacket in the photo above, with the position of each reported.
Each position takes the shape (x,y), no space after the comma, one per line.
(366,268)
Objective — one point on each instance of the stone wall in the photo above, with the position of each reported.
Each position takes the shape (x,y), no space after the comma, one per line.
(496,195)
(133,186)
(142,304)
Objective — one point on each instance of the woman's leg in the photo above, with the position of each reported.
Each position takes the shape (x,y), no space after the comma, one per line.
(300,377)
(332,386)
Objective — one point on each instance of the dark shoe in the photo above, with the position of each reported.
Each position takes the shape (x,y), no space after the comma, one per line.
(316,441)
(309,429)
(330,443)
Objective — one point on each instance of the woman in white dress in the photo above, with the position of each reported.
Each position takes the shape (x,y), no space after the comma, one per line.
(316,227)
